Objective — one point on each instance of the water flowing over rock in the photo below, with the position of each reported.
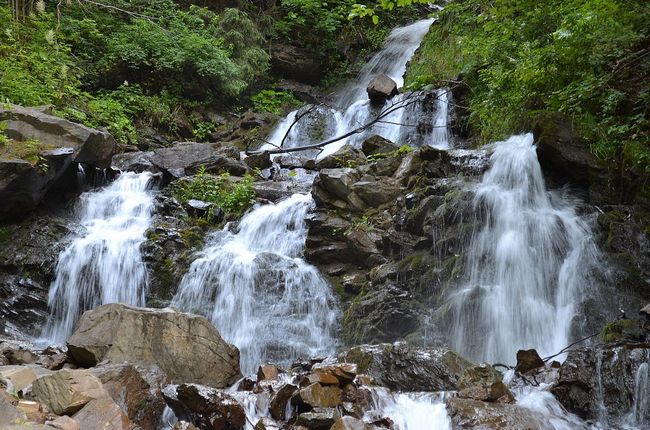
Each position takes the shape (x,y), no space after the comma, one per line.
(104,264)
(354,108)
(505,306)
(186,347)
(258,292)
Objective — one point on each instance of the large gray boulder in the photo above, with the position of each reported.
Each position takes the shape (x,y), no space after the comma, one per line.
(184,159)
(186,347)
(88,145)
(57,145)
(381,88)
(403,367)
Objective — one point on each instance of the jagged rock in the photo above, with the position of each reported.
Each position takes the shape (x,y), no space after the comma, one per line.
(103,413)
(258,161)
(24,184)
(142,402)
(205,407)
(378,145)
(279,401)
(483,383)
(344,373)
(363,249)
(67,391)
(267,424)
(333,187)
(318,419)
(186,347)
(274,190)
(350,423)
(9,413)
(381,88)
(401,367)
(345,156)
(186,158)
(267,372)
(381,315)
(88,145)
(133,162)
(528,360)
(295,63)
(64,423)
(315,395)
(474,414)
(17,377)
(377,193)
(292,161)
(578,383)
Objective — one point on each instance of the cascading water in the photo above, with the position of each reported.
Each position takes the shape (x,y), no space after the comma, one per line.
(410,411)
(353,108)
(640,414)
(104,264)
(257,290)
(527,262)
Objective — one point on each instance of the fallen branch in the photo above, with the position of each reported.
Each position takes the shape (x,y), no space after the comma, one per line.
(409,100)
(569,346)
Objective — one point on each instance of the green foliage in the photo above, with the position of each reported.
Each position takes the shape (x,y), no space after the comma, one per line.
(399,152)
(231,197)
(106,68)
(583,58)
(35,67)
(621,330)
(323,26)
(273,101)
(361,224)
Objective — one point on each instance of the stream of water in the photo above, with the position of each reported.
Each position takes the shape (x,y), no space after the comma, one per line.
(528,261)
(259,292)
(103,264)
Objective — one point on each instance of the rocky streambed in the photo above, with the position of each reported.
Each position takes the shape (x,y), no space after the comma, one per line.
(127,368)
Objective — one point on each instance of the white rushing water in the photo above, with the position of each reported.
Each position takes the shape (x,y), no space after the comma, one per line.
(259,292)
(527,262)
(410,124)
(104,264)
(640,414)
(410,411)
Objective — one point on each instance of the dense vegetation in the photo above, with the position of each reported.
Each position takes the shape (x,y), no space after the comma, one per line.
(146,66)
(587,59)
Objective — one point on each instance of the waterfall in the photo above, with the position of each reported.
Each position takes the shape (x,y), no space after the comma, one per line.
(258,291)
(103,265)
(640,414)
(528,260)
(352,108)
(410,411)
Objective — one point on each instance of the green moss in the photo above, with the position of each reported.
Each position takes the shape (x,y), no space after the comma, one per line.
(621,330)
(5,234)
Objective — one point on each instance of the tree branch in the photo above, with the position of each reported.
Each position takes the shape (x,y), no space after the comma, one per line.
(409,100)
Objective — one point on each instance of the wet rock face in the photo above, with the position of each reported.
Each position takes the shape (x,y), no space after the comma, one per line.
(381,88)
(186,347)
(591,379)
(373,234)
(475,414)
(205,407)
(28,255)
(169,248)
(294,62)
(402,367)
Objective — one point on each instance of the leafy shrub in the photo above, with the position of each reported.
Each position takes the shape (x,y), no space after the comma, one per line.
(273,101)
(232,197)
(583,58)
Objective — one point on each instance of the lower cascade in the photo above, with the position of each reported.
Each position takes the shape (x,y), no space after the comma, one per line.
(528,262)
(103,265)
(258,291)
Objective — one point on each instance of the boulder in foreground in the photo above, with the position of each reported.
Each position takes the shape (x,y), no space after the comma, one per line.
(186,347)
